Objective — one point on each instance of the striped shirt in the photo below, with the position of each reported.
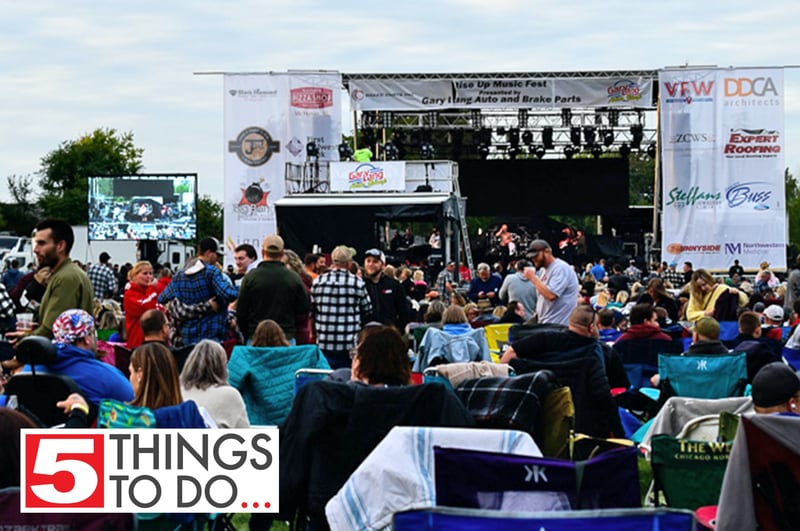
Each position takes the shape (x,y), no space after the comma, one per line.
(340,306)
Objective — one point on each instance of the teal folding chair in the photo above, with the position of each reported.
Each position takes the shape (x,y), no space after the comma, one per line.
(702,375)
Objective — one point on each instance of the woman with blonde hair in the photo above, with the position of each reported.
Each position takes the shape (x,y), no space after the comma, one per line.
(268,333)
(204,379)
(140,296)
(704,298)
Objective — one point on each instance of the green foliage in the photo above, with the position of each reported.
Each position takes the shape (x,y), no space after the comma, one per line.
(792,206)
(642,176)
(209,218)
(65,171)
(21,215)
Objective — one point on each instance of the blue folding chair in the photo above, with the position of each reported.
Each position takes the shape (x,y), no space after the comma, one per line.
(449,519)
(702,375)
(792,357)
(487,480)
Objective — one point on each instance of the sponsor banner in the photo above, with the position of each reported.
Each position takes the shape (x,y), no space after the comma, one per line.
(722,158)
(269,120)
(524,93)
(149,470)
(375,176)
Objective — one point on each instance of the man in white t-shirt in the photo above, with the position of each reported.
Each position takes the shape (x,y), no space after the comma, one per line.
(555,281)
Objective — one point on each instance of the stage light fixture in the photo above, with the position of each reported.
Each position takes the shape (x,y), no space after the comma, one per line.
(624,150)
(527,138)
(501,131)
(345,151)
(651,150)
(566,117)
(476,119)
(589,135)
(539,151)
(386,119)
(513,136)
(596,151)
(390,151)
(575,136)
(427,151)
(522,118)
(608,137)
(312,151)
(483,151)
(569,151)
(513,151)
(613,117)
(547,137)
(637,135)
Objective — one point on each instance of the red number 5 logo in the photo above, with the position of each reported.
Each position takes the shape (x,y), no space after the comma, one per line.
(64,471)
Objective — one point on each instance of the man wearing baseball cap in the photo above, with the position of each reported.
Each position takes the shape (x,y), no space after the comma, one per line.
(271,291)
(776,389)
(555,282)
(201,281)
(389,303)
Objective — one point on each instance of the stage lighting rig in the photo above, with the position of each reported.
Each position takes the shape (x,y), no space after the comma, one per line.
(637,135)
(589,135)
(483,151)
(427,151)
(312,151)
(547,137)
(522,118)
(596,151)
(539,151)
(651,150)
(390,151)
(566,117)
(513,136)
(575,136)
(513,151)
(569,151)
(345,151)
(527,138)
(607,136)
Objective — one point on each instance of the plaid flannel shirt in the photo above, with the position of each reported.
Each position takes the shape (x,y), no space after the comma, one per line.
(198,287)
(103,279)
(340,306)
(6,304)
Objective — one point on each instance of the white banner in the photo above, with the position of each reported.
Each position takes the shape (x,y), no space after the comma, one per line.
(270,119)
(376,176)
(722,143)
(524,93)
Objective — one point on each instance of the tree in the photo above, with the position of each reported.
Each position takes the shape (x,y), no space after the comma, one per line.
(65,171)
(21,215)
(792,206)
(209,218)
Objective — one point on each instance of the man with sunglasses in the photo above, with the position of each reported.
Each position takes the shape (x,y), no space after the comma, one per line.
(555,282)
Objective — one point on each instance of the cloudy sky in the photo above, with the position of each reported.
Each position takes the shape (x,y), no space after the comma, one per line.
(71,67)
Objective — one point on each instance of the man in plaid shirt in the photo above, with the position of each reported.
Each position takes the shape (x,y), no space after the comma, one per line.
(102,277)
(198,283)
(340,306)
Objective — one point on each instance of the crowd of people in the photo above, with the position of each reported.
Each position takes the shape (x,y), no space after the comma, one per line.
(180,326)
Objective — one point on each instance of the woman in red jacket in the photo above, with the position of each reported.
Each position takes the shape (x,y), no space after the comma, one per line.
(140,296)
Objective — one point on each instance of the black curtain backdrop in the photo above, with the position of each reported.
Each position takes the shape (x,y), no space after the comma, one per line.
(526,186)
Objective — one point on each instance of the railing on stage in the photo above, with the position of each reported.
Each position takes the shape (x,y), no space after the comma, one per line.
(313,177)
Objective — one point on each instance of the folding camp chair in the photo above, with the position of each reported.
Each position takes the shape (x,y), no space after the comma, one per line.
(265,376)
(304,376)
(487,480)
(497,337)
(762,485)
(688,472)
(12,518)
(702,375)
(640,357)
(449,519)
(403,464)
(792,357)
(37,392)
